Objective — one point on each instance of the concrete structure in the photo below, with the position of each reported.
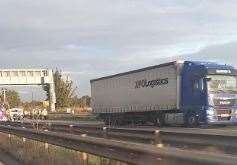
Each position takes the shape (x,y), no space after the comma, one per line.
(30,77)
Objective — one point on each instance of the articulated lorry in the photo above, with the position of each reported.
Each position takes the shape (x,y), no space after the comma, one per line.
(184,93)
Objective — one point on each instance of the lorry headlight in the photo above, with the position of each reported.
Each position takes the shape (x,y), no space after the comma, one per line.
(210,112)
(210,99)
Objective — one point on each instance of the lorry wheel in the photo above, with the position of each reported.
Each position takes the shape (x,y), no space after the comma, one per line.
(159,121)
(192,121)
(106,121)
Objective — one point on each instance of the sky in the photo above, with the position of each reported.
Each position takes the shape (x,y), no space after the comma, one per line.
(87,39)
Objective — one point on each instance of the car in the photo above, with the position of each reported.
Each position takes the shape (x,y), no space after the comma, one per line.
(16,114)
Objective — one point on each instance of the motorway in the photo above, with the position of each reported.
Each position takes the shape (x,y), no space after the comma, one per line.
(211,143)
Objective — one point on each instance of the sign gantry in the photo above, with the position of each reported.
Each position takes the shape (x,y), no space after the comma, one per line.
(30,77)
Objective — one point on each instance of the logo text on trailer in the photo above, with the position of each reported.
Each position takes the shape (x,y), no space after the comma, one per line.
(223,71)
(152,83)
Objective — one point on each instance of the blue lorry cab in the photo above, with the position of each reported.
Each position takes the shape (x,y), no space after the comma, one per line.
(209,93)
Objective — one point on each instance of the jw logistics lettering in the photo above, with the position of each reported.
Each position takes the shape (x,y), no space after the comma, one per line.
(152,83)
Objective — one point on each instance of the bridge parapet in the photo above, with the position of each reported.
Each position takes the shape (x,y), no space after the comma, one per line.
(25,76)
(30,77)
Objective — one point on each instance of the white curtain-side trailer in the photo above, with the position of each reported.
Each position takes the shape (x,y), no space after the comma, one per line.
(139,95)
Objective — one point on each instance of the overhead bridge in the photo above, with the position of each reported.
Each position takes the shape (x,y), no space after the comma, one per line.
(30,77)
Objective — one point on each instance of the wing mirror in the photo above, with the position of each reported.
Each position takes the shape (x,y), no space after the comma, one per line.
(207,79)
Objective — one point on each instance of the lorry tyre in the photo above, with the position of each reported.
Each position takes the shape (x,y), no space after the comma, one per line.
(106,121)
(159,121)
(192,120)
(109,120)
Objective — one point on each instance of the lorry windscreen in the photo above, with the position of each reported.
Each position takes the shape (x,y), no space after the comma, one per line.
(222,84)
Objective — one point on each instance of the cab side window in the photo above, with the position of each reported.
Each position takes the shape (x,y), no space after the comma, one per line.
(198,85)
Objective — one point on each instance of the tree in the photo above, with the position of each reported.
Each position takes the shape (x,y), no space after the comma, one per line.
(84,101)
(29,106)
(13,98)
(64,90)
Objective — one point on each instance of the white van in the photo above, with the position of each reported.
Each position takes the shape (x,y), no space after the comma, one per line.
(16,114)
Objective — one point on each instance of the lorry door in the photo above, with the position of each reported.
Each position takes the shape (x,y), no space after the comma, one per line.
(198,97)
(194,95)
(198,91)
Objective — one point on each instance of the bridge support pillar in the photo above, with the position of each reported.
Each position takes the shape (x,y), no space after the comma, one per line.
(52,97)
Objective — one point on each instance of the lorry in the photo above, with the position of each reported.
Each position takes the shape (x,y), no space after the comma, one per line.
(187,93)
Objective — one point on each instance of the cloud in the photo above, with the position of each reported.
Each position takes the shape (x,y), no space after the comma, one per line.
(91,38)
(224,54)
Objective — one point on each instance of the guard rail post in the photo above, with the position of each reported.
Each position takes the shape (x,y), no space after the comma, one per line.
(157,139)
(49,126)
(71,128)
(105,132)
